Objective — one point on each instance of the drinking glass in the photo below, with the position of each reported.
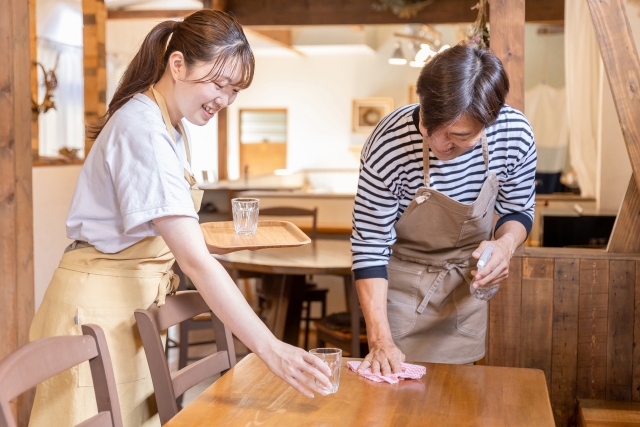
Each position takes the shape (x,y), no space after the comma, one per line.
(333,358)
(245,215)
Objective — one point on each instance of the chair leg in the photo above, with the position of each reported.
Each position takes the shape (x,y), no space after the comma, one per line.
(307,322)
(184,345)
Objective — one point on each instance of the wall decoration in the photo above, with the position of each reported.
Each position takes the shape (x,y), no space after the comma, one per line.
(367,113)
(50,83)
(479,32)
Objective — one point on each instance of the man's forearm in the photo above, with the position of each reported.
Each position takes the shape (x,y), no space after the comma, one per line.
(373,299)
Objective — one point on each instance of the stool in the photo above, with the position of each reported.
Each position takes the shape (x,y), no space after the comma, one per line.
(312,294)
(597,413)
(340,339)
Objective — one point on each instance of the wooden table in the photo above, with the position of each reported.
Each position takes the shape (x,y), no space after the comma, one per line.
(447,396)
(284,272)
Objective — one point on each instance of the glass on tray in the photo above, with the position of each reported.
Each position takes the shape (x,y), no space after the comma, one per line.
(245,215)
(333,358)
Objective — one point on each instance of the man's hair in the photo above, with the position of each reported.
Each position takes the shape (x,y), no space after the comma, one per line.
(462,80)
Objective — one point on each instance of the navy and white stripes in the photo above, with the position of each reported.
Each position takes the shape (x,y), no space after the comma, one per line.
(391,172)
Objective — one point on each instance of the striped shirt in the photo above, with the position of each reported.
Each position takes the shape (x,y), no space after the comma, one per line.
(391,172)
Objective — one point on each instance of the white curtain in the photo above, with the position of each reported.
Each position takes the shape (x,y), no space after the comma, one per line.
(546,109)
(583,73)
(64,126)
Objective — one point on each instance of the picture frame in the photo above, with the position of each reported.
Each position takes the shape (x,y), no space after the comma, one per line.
(367,113)
(413,96)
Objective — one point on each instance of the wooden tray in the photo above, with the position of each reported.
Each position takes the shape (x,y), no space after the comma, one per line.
(269,234)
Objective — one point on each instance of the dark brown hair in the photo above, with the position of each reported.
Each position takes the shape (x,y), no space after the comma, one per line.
(462,80)
(204,36)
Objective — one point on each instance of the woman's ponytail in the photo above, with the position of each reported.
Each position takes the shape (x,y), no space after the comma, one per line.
(145,69)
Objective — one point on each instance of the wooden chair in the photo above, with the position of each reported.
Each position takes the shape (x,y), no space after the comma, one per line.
(45,358)
(600,413)
(178,308)
(311,292)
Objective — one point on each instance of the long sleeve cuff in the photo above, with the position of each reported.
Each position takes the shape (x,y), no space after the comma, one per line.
(374,272)
(522,218)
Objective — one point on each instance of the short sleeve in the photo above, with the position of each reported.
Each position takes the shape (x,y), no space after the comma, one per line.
(147,173)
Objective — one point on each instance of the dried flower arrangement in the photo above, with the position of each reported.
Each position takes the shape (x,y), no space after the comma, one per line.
(402,8)
(479,32)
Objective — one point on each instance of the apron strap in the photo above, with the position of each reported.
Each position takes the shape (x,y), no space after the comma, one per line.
(425,159)
(167,122)
(485,150)
(443,271)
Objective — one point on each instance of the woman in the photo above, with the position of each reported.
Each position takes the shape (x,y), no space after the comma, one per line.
(432,177)
(135,208)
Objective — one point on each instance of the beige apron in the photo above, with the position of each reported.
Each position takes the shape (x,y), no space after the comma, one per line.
(432,315)
(105,289)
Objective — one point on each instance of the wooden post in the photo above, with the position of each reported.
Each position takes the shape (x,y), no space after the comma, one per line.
(16,205)
(33,44)
(223,172)
(622,66)
(507,42)
(94,17)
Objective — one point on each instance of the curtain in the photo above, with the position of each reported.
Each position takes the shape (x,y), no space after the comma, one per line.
(64,126)
(547,112)
(583,74)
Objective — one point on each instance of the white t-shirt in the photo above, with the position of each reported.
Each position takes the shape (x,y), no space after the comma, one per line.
(133,174)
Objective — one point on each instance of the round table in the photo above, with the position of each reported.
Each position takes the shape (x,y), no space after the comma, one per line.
(284,272)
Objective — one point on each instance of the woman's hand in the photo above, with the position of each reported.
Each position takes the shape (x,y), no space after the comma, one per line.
(384,357)
(297,367)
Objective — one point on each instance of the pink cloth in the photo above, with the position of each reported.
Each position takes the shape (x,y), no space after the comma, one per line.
(409,372)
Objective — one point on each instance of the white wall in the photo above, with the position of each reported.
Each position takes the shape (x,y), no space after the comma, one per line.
(53,188)
(318,92)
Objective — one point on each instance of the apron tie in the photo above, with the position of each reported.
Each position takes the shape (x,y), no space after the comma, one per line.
(168,285)
(444,269)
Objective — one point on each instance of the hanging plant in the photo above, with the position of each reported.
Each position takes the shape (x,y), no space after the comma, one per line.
(479,32)
(402,8)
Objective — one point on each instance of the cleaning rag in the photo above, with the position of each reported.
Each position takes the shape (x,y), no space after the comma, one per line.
(409,372)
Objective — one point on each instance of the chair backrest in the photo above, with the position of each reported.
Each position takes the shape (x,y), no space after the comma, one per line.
(292,211)
(42,359)
(178,308)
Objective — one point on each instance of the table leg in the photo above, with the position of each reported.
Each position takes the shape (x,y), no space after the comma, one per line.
(295,288)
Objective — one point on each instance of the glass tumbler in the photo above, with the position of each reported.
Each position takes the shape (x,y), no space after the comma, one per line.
(245,215)
(333,358)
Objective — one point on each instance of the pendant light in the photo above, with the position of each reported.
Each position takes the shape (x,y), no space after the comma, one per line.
(397,58)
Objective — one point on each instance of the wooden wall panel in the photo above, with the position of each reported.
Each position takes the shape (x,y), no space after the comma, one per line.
(625,236)
(508,45)
(223,172)
(564,356)
(16,204)
(94,17)
(592,329)
(620,329)
(505,319)
(635,386)
(537,315)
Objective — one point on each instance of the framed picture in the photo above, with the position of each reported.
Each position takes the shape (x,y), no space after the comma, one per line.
(367,113)
(413,96)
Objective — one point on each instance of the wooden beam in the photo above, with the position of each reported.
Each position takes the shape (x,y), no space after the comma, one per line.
(622,66)
(507,16)
(340,12)
(149,14)
(624,237)
(16,204)
(354,12)
(281,37)
(94,16)
(223,171)
(33,75)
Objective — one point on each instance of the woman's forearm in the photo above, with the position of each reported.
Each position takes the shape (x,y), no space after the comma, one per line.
(184,238)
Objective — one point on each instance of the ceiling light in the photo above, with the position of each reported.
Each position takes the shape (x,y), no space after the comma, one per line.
(444,47)
(424,54)
(417,64)
(397,58)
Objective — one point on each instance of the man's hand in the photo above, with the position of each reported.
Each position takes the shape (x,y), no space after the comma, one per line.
(383,357)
